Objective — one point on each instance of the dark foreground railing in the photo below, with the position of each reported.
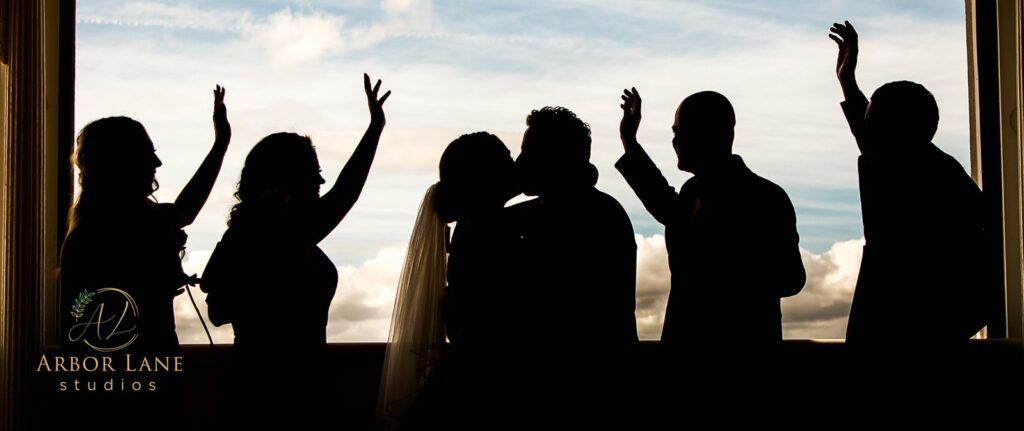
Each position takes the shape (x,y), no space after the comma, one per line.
(801,374)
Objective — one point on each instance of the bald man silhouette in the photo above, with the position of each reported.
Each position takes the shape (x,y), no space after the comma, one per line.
(731,234)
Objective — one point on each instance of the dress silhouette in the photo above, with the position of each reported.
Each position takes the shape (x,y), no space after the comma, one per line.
(925,273)
(270,280)
(731,235)
(474,299)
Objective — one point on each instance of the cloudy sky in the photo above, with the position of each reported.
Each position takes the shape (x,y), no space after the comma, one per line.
(462,66)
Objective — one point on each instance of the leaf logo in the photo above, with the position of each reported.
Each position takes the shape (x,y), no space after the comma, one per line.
(83,300)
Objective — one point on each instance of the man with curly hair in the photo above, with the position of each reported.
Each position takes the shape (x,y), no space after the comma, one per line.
(581,237)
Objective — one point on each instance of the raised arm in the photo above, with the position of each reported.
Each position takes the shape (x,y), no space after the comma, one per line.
(855,104)
(337,202)
(194,195)
(639,170)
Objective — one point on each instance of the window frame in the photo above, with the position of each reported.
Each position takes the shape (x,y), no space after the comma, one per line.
(994,51)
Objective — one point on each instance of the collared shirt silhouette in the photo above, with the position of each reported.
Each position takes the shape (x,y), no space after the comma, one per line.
(730,234)
(925,271)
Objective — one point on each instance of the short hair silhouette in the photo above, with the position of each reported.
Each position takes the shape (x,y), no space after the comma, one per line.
(280,163)
(710,116)
(556,152)
(116,164)
(903,111)
(564,136)
(703,131)
(474,166)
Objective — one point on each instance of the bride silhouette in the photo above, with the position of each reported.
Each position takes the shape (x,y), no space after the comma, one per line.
(465,296)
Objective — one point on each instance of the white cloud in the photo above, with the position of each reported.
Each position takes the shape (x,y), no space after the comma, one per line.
(403,17)
(362,306)
(160,14)
(485,71)
(290,38)
(189,328)
(822,309)
(652,285)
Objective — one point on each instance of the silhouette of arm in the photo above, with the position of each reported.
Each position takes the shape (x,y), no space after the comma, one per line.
(639,170)
(194,195)
(855,104)
(625,276)
(337,202)
(782,264)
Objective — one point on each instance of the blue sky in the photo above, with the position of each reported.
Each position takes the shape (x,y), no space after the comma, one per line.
(457,67)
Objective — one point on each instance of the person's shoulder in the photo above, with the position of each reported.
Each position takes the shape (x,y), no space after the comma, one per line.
(766,191)
(605,200)
(688,185)
(953,174)
(764,185)
(947,162)
(605,204)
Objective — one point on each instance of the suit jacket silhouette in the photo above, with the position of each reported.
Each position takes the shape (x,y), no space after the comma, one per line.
(732,248)
(580,256)
(925,270)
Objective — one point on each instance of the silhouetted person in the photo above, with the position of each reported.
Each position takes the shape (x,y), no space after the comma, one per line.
(923,276)
(272,283)
(579,239)
(731,235)
(579,267)
(478,308)
(477,180)
(120,237)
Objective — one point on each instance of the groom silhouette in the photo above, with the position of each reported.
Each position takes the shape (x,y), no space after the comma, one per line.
(579,239)
(580,269)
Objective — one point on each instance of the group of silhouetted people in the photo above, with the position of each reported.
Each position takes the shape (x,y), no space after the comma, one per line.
(537,297)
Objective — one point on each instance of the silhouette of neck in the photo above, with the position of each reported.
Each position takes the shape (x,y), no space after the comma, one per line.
(714,167)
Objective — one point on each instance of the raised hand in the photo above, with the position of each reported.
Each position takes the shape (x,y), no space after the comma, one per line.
(845,37)
(376,104)
(630,118)
(337,202)
(221,126)
(193,196)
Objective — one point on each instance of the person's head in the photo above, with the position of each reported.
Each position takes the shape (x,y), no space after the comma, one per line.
(281,169)
(556,152)
(901,115)
(116,165)
(703,131)
(477,173)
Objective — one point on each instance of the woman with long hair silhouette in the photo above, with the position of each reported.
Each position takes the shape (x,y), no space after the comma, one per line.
(120,237)
(452,289)
(269,279)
